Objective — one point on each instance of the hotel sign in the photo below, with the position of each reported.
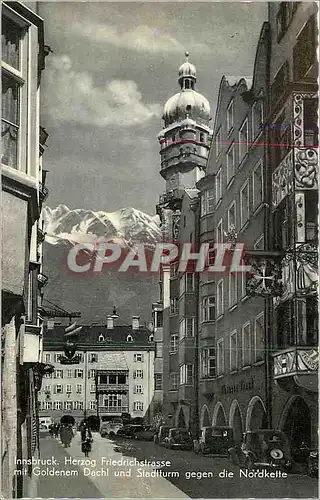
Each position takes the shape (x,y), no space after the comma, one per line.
(243,385)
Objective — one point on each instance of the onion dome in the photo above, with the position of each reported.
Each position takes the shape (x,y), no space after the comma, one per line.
(187,103)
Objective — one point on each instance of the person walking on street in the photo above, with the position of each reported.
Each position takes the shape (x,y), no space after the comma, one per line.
(86,439)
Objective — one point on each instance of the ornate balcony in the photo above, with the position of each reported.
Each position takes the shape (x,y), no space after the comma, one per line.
(297,366)
(114,410)
(113,388)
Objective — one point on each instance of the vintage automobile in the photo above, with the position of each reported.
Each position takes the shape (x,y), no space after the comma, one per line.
(179,438)
(110,429)
(146,434)
(265,449)
(162,433)
(129,430)
(215,440)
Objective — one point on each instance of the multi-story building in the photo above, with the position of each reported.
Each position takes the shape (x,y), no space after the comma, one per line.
(23,191)
(157,315)
(292,122)
(232,389)
(113,373)
(185,141)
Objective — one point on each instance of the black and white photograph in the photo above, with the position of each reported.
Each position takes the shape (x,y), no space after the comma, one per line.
(159,249)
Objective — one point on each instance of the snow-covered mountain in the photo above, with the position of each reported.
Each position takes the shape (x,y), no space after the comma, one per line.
(127,226)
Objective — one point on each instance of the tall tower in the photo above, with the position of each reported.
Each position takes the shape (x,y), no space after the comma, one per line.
(186,136)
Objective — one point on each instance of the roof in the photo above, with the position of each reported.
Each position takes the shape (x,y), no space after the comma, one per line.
(109,338)
(235,80)
(113,360)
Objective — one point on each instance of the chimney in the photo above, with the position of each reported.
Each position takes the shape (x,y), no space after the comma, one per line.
(110,322)
(50,324)
(135,322)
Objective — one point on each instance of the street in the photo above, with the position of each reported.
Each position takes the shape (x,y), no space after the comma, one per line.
(111,472)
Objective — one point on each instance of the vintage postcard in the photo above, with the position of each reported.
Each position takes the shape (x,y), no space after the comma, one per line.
(159,249)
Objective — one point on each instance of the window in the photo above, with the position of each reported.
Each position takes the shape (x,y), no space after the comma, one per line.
(174,381)
(230,163)
(218,142)
(208,308)
(68,389)
(211,254)
(189,278)
(58,374)
(220,352)
(233,290)
(138,406)
(208,362)
(232,224)
(47,389)
(174,305)
(91,373)
(259,337)
(159,321)
(48,375)
(138,389)
(173,342)
(190,324)
(305,50)
(186,374)
(78,405)
(67,405)
(159,350)
(158,382)
(138,374)
(101,338)
(48,405)
(14,94)
(310,121)
(69,373)
(233,351)
(257,116)
(257,186)
(220,298)
(182,329)
(219,232)
(207,202)
(92,388)
(47,358)
(56,358)
(93,358)
(230,117)
(246,344)
(129,338)
(57,405)
(219,185)
(243,140)
(122,379)
(79,388)
(244,204)
(78,373)
(138,357)
(92,405)
(58,389)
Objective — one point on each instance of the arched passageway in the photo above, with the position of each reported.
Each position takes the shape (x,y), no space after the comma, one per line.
(256,415)
(219,416)
(205,417)
(296,421)
(235,421)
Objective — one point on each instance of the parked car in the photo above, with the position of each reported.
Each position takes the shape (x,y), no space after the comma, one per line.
(162,433)
(215,440)
(146,434)
(110,428)
(266,449)
(129,430)
(313,463)
(179,438)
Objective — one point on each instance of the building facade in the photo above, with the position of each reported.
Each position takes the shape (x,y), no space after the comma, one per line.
(185,142)
(293,125)
(113,373)
(233,208)
(23,192)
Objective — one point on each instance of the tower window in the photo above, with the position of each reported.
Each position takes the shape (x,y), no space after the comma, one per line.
(188,108)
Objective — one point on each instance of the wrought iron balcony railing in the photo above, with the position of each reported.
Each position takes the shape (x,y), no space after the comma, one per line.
(295,361)
(113,409)
(112,388)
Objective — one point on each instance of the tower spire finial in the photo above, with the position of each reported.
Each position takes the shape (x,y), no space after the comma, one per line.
(187,53)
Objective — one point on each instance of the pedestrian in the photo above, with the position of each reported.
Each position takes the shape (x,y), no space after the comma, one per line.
(66,435)
(86,439)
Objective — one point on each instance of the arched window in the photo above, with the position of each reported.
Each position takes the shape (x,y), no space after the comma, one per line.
(187,84)
(101,338)
(129,338)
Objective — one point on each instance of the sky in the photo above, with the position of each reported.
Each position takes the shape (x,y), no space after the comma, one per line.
(113,67)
